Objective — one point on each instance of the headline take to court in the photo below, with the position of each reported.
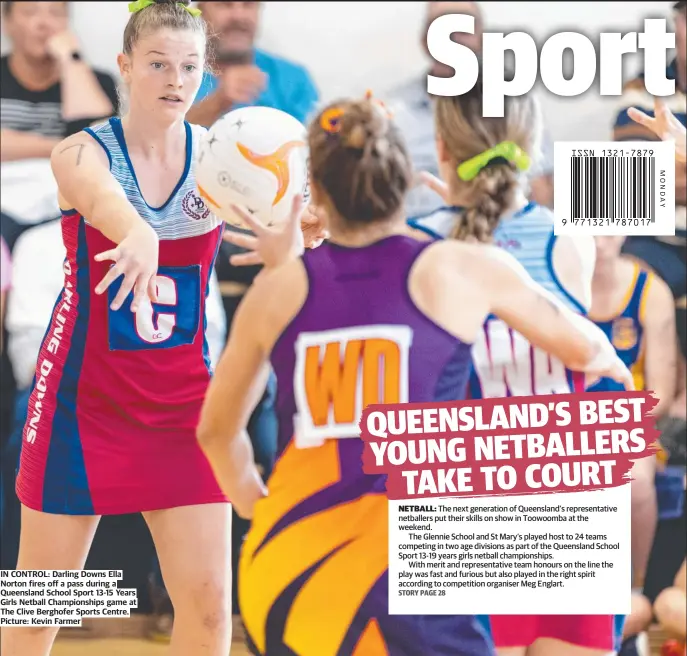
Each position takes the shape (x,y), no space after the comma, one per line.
(512,446)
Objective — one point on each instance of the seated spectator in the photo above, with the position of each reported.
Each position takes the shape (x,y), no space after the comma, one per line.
(414,114)
(47,92)
(245,75)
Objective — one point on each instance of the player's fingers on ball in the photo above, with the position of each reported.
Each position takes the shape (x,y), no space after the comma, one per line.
(241,240)
(294,221)
(108,255)
(247,217)
(246,259)
(297,206)
(113,273)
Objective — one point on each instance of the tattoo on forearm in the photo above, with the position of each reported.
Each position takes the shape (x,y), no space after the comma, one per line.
(78,155)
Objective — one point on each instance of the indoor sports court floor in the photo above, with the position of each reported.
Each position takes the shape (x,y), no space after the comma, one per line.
(138,647)
(123,637)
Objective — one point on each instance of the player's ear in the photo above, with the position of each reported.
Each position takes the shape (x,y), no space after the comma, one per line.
(124,63)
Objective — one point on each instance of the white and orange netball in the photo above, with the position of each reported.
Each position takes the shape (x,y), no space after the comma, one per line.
(255,158)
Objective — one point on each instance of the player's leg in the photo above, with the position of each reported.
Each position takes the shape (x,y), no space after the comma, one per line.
(47,542)
(644,516)
(512,651)
(193,544)
(671,607)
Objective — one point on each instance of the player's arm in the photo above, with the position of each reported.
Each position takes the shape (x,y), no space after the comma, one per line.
(236,388)
(81,168)
(660,335)
(545,322)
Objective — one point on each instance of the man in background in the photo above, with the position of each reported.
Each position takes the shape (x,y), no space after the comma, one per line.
(245,75)
(413,112)
(47,92)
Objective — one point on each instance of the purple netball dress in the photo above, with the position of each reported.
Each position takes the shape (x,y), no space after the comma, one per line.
(313,578)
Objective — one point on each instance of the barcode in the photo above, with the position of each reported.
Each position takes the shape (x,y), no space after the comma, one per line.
(605,188)
(613,188)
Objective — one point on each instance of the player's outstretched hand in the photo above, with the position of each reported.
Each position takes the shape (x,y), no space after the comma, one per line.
(269,246)
(136,258)
(611,366)
(664,125)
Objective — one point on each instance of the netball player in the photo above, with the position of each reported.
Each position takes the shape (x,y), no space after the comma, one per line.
(123,368)
(635,310)
(482,165)
(373,309)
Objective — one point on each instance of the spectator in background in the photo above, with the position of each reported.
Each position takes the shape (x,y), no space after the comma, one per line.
(48,90)
(414,114)
(245,75)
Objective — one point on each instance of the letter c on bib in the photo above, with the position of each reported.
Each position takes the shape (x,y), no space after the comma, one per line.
(157,327)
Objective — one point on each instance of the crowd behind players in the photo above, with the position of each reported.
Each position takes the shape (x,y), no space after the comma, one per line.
(48,91)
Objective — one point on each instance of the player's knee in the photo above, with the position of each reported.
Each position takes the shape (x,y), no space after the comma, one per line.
(35,636)
(210,603)
(643,475)
(670,610)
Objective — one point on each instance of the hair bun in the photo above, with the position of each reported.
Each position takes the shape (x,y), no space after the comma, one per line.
(364,123)
(186,3)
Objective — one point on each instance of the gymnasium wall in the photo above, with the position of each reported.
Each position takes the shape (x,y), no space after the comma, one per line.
(352,46)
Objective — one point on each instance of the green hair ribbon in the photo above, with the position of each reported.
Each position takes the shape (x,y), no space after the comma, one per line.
(506,150)
(142,4)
